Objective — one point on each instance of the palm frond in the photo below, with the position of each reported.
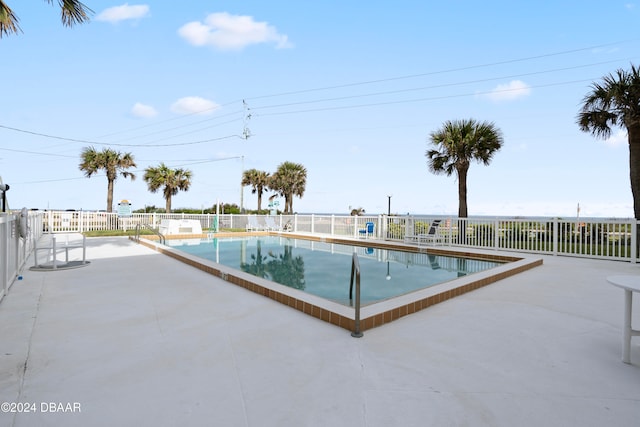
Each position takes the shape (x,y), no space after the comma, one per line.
(8,21)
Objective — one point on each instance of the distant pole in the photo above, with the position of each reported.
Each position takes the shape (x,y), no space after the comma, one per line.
(242,187)
(216,221)
(389,206)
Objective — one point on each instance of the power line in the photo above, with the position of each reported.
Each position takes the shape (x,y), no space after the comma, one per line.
(392,92)
(450,70)
(37,153)
(182,126)
(174,119)
(433,98)
(84,141)
(100,174)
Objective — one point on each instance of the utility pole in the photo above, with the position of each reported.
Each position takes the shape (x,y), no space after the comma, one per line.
(246,133)
(242,187)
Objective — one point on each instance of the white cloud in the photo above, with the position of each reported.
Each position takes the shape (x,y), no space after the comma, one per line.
(231,32)
(144,111)
(194,105)
(122,13)
(507,92)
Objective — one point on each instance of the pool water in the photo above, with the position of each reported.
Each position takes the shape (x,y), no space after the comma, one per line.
(324,269)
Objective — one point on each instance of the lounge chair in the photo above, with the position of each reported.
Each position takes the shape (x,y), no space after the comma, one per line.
(367,231)
(271,224)
(253,225)
(432,235)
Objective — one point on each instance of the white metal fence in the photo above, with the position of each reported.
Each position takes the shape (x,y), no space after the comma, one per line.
(594,238)
(14,248)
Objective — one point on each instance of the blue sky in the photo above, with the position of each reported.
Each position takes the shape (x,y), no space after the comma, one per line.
(351,90)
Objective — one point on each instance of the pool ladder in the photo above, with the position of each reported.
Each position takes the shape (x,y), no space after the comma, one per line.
(153,230)
(355,272)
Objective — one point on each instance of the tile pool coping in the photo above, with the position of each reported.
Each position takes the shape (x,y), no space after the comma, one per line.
(372,315)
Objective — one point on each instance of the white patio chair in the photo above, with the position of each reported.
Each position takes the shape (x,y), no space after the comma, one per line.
(271,224)
(433,235)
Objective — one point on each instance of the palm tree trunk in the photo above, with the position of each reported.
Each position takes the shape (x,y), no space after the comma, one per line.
(634,167)
(462,192)
(462,204)
(168,205)
(286,203)
(109,195)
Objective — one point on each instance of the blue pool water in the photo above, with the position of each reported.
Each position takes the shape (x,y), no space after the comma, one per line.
(324,269)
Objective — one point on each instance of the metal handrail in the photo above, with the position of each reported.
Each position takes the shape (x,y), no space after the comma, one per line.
(355,271)
(148,227)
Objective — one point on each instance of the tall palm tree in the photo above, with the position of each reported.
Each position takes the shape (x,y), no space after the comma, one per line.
(616,103)
(170,180)
(71,12)
(289,180)
(458,143)
(113,162)
(259,182)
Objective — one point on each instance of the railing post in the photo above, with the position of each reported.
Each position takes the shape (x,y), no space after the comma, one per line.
(16,243)
(556,236)
(53,239)
(408,232)
(4,262)
(634,241)
(313,223)
(84,249)
(333,224)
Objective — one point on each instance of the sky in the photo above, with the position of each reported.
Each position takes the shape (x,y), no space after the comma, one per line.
(350,90)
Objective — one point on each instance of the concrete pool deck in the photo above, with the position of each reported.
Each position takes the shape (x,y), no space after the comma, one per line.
(138,338)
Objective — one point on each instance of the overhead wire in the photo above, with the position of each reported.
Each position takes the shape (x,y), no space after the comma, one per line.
(101,174)
(445,71)
(246,134)
(415,89)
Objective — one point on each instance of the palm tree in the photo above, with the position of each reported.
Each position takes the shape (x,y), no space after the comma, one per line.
(113,162)
(616,103)
(459,142)
(289,180)
(71,12)
(171,181)
(259,182)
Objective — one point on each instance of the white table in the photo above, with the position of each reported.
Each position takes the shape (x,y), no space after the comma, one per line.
(630,284)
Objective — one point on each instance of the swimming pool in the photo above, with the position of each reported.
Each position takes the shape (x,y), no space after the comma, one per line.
(323,269)
(337,313)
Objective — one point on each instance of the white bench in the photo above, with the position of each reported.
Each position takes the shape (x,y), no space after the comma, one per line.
(54,248)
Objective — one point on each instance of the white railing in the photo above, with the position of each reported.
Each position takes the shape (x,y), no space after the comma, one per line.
(594,238)
(14,248)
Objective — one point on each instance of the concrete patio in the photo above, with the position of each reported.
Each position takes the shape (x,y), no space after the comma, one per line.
(139,339)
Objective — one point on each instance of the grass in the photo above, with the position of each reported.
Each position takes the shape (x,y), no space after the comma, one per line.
(110,233)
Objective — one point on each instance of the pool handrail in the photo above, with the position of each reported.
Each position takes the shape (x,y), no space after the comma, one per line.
(355,270)
(148,227)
